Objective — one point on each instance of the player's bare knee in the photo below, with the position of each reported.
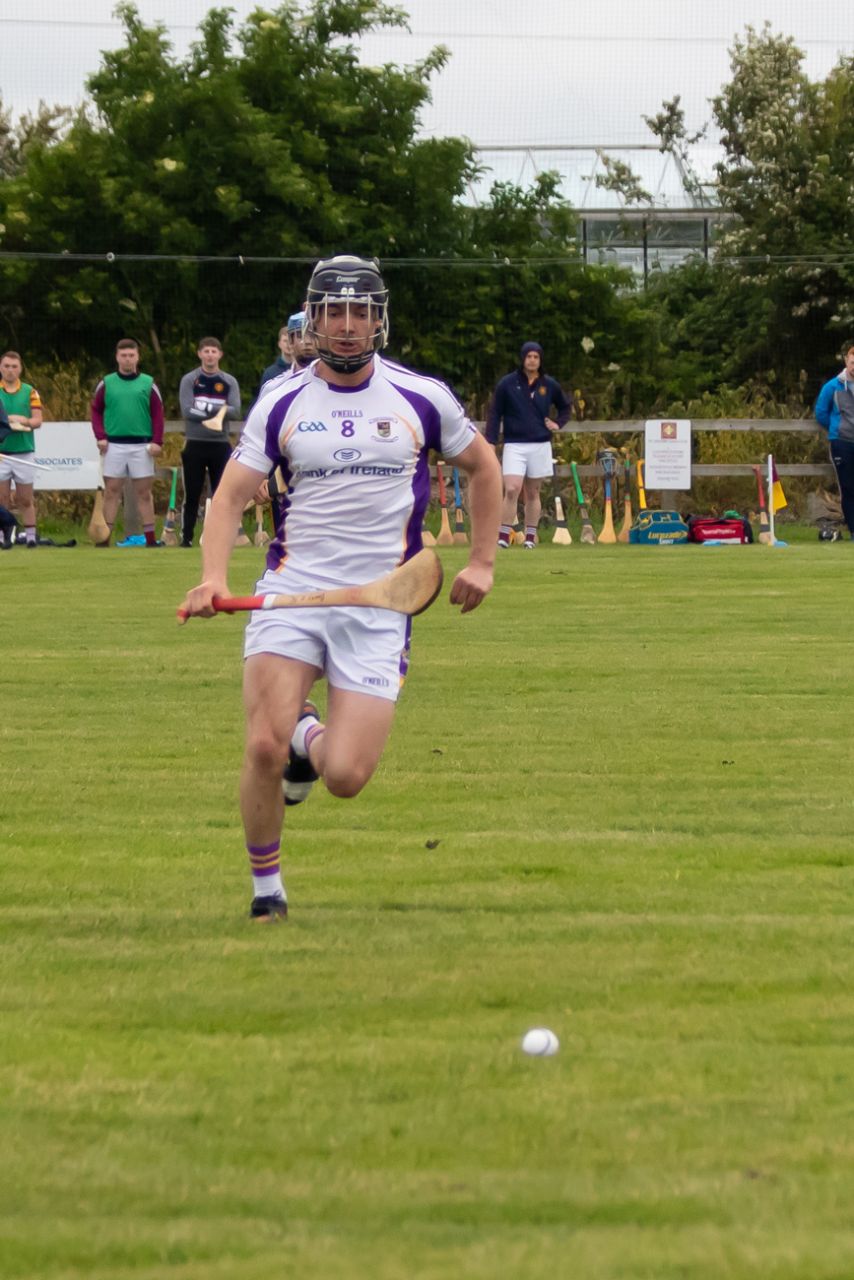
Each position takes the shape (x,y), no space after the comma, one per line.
(345,783)
(265,751)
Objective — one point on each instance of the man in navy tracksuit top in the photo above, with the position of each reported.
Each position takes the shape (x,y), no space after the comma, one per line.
(521,403)
(834,410)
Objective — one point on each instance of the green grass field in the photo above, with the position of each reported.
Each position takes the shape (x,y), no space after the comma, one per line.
(637,766)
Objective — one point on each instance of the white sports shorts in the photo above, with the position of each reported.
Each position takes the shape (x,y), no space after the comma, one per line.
(360,650)
(534,461)
(17,467)
(123,460)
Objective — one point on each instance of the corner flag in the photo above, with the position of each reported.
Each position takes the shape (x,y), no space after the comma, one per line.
(778,497)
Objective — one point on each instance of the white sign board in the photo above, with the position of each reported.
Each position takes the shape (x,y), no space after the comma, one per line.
(67,457)
(667,453)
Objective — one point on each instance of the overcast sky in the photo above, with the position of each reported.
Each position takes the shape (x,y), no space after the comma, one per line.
(537,72)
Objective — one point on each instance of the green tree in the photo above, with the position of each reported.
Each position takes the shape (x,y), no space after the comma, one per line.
(16,139)
(787,180)
(776,302)
(274,140)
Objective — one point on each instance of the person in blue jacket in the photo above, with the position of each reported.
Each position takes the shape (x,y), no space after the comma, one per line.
(521,406)
(834,410)
(296,348)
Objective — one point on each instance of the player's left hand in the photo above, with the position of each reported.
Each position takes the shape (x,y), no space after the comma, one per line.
(154,449)
(470,586)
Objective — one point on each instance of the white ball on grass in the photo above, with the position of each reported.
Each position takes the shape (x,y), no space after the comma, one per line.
(539,1042)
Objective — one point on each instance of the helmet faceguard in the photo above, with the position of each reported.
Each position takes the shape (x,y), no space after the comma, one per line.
(347,282)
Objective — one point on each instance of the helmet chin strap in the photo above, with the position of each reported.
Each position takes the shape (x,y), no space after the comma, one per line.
(345,364)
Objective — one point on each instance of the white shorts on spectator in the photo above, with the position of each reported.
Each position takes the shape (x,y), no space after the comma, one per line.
(534,461)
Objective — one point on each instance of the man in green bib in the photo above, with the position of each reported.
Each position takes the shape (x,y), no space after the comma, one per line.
(127,418)
(23,408)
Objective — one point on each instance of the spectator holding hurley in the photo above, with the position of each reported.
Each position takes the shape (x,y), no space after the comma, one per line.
(204,392)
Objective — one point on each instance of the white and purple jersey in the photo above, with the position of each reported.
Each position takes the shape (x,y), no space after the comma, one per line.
(355,463)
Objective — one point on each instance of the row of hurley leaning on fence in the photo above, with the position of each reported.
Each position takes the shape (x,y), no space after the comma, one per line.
(527,407)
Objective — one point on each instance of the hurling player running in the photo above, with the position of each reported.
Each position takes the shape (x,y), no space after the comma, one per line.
(351,434)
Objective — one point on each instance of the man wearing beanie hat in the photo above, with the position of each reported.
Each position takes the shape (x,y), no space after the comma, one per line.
(521,405)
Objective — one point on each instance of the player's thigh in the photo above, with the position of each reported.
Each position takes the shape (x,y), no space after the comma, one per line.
(539,463)
(357,729)
(6,493)
(274,690)
(142,487)
(514,463)
(25,493)
(532,489)
(114,485)
(140,467)
(115,466)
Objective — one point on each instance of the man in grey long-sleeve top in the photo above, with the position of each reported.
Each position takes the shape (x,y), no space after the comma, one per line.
(209,398)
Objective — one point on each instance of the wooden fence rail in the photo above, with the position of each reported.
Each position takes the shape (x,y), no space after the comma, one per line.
(625,426)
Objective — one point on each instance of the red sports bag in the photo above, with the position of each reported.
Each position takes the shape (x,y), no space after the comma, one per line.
(719,529)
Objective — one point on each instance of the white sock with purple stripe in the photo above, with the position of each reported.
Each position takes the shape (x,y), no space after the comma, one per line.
(266,870)
(303,734)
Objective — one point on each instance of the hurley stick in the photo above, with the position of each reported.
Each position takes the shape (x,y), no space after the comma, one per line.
(460,535)
(641,487)
(409,589)
(216,422)
(623,535)
(169,536)
(444,538)
(608,462)
(562,536)
(765,535)
(99,530)
(261,537)
(587,533)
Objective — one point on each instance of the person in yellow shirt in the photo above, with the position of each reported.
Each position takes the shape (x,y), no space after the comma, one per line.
(23,407)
